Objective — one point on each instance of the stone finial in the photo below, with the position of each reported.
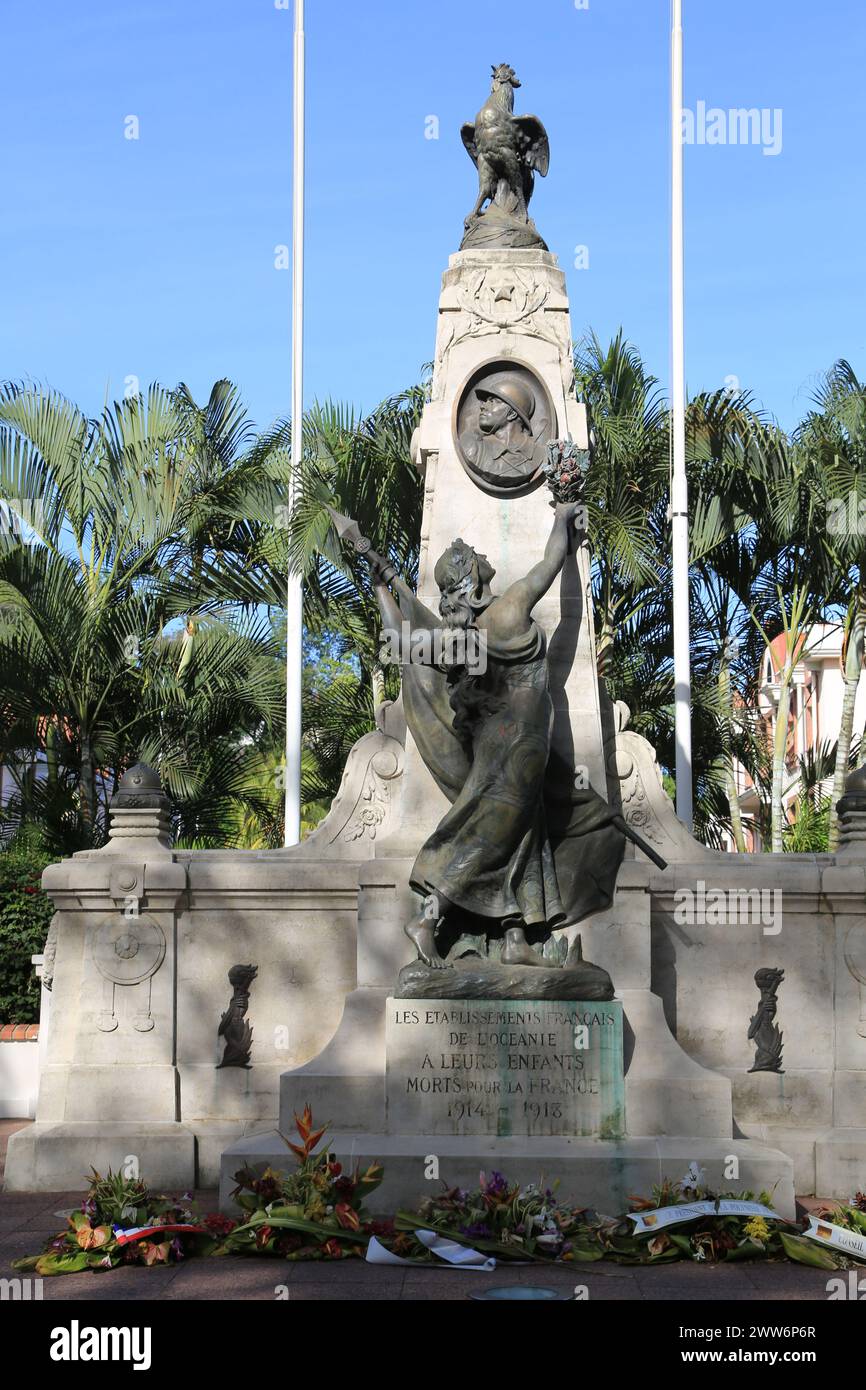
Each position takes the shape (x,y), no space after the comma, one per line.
(140,808)
(852,814)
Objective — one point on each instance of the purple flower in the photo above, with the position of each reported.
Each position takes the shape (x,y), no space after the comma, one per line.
(177,1248)
(496,1185)
(479,1230)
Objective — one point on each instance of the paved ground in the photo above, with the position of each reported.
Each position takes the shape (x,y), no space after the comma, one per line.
(26,1219)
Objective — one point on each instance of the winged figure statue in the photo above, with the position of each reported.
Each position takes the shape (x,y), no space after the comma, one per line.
(507,151)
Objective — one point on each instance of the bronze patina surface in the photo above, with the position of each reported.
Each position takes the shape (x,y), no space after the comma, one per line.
(507,151)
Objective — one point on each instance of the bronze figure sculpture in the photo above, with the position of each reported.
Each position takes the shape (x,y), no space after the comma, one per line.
(233,1025)
(525,848)
(507,151)
(502,449)
(763,1031)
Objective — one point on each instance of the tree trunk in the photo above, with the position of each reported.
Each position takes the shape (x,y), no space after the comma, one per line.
(604,647)
(730,777)
(51,753)
(87,785)
(851,676)
(780,743)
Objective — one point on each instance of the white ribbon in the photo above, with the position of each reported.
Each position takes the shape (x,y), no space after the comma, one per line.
(687,1211)
(825,1233)
(459,1256)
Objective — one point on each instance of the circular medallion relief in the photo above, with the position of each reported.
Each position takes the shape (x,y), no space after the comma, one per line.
(128,949)
(503,421)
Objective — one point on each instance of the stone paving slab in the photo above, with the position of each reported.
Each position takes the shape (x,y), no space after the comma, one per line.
(115,1285)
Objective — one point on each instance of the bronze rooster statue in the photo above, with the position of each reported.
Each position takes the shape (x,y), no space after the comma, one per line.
(507,151)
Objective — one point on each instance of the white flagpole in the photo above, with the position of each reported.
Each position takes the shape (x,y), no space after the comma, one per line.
(294,595)
(679,488)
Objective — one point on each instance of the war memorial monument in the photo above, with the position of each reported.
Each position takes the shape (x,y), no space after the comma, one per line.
(476,954)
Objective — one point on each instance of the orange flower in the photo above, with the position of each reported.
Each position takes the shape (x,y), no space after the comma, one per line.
(372,1176)
(92,1237)
(155,1254)
(309,1136)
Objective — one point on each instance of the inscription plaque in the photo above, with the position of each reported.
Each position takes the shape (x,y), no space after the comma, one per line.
(505,1067)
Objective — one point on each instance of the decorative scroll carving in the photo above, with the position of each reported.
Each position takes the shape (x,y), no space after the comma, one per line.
(646,805)
(364,804)
(375,799)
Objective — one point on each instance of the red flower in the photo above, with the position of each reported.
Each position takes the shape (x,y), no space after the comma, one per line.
(219,1225)
(332,1250)
(288,1243)
(347,1217)
(383,1227)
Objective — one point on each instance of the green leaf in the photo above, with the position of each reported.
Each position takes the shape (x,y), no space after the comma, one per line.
(681,1241)
(585,1254)
(806,1252)
(294,1223)
(49,1265)
(748,1251)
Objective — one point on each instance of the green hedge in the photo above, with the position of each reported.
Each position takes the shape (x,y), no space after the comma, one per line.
(25,913)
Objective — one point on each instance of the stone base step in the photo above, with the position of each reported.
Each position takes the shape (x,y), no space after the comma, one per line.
(58,1157)
(592,1172)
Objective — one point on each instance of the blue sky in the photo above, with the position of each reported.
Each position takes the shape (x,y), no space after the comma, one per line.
(154,257)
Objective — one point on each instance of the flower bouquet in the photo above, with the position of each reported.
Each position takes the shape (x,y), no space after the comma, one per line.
(838,1230)
(315,1213)
(510,1221)
(119,1223)
(565,470)
(712,1227)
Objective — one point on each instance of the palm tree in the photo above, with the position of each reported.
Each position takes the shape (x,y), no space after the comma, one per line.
(627,492)
(112,643)
(798,583)
(361,466)
(809,832)
(835,434)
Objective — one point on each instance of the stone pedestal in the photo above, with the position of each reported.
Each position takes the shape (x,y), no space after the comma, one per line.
(509,1068)
(675,1110)
(108,1089)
